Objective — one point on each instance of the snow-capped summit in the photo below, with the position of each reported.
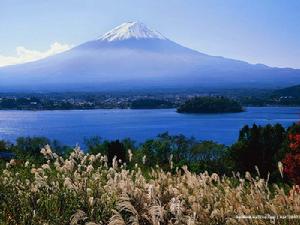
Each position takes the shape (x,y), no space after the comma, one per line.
(130,30)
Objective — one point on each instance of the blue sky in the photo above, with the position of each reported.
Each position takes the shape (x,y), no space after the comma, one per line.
(257,31)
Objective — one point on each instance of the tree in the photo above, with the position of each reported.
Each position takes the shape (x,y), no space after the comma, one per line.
(291,161)
(150,104)
(210,104)
(210,156)
(159,150)
(258,146)
(3,146)
(128,144)
(30,147)
(115,148)
(95,145)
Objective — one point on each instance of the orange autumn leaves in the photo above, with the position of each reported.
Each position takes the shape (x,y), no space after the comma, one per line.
(291,160)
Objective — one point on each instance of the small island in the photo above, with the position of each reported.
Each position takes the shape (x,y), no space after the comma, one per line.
(209,104)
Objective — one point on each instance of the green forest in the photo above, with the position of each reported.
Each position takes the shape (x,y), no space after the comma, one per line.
(257,146)
(210,104)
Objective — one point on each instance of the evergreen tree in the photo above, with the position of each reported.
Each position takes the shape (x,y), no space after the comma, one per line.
(116,148)
(258,146)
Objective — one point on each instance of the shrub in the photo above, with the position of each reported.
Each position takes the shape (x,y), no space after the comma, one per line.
(291,162)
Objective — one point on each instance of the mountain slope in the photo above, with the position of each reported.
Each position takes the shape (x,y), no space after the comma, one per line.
(293,91)
(132,56)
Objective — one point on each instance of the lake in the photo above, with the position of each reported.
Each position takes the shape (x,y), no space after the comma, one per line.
(71,127)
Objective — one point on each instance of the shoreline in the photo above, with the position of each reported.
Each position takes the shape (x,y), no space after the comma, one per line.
(90,109)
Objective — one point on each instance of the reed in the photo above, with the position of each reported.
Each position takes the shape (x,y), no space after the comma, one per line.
(83,189)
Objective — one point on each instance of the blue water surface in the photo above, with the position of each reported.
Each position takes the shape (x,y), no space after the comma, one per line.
(71,127)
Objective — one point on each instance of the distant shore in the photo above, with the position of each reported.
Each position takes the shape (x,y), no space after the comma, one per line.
(143,100)
(79,109)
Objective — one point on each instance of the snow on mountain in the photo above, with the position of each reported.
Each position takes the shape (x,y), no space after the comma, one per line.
(129,30)
(133,56)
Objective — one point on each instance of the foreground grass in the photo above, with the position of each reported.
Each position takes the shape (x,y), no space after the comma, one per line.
(83,189)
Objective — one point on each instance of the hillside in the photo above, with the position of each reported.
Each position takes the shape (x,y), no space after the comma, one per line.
(209,104)
(293,91)
(151,104)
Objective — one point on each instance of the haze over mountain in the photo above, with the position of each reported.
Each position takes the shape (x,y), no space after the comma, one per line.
(133,56)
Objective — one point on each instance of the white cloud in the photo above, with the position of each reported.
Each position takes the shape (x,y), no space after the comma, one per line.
(27,55)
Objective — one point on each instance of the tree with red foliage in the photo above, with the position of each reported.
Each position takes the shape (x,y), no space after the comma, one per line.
(291,161)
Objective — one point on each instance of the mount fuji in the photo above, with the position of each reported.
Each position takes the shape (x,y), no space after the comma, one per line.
(133,56)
